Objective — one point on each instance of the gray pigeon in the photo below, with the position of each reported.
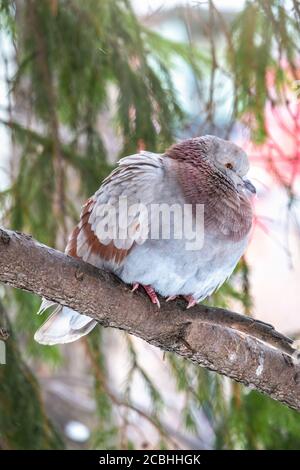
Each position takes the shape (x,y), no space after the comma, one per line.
(140,244)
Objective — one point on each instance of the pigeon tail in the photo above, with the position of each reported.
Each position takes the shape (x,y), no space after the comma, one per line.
(64,325)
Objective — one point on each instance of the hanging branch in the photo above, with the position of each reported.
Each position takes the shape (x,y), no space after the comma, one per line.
(59,199)
(247,350)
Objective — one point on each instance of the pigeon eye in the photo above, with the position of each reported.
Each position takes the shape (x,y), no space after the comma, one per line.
(229,166)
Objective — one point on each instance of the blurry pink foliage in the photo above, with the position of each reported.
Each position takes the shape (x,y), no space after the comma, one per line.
(280,152)
(279,155)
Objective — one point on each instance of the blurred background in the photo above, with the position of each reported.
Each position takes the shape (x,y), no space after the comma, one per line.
(84,83)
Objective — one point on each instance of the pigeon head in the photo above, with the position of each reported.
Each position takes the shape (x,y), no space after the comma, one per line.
(225,156)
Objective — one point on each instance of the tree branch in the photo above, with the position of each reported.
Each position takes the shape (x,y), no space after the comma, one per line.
(246,350)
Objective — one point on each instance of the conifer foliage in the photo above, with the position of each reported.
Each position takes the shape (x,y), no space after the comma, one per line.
(80,74)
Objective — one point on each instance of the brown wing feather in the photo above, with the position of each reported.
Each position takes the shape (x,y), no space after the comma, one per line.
(93,245)
(135,178)
(71,248)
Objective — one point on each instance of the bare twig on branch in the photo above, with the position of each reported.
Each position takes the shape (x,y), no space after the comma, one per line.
(247,350)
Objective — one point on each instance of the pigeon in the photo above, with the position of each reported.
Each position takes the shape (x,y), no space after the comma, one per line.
(205,172)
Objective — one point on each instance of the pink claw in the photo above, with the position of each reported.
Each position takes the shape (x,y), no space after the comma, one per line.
(191,301)
(171,297)
(152,295)
(135,286)
(149,291)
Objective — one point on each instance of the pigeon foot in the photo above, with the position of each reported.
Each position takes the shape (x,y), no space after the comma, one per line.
(190,300)
(149,291)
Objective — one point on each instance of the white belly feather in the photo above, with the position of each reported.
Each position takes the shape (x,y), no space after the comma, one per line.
(172,270)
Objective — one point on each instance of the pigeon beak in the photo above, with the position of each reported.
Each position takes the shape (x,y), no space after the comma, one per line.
(249,186)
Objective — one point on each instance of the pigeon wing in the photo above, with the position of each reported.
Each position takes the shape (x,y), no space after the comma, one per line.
(107,231)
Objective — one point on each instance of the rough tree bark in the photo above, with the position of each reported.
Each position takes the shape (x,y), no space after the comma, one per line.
(246,350)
